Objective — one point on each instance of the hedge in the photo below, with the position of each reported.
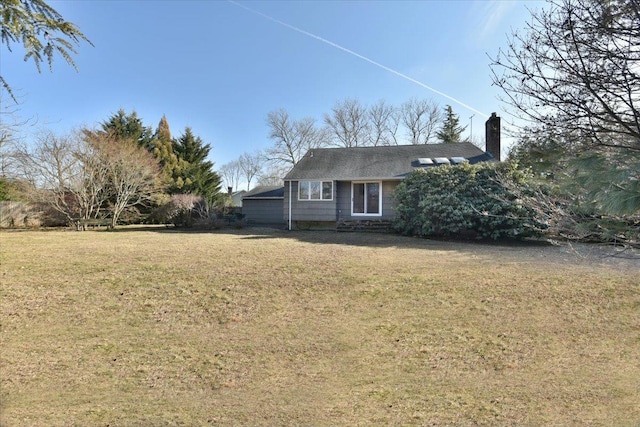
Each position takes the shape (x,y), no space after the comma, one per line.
(483,201)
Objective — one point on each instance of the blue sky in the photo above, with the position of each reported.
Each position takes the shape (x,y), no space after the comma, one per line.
(220,68)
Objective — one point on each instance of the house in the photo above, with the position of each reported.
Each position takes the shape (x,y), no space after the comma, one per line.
(331,186)
(236,198)
(264,205)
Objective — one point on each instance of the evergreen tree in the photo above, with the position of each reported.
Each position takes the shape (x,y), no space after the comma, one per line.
(163,133)
(195,173)
(128,126)
(41,31)
(451,131)
(125,129)
(162,149)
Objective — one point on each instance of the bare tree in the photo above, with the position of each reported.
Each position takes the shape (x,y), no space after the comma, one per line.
(52,167)
(94,189)
(348,124)
(133,173)
(273,175)
(576,68)
(420,118)
(575,72)
(89,175)
(292,138)
(230,173)
(384,121)
(11,124)
(69,174)
(8,153)
(250,165)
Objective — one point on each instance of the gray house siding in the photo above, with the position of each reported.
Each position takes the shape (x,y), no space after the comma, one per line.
(337,209)
(263,205)
(263,211)
(343,200)
(308,210)
(388,200)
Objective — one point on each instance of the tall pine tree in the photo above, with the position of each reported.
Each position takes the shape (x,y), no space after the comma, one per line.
(451,131)
(123,126)
(195,173)
(162,149)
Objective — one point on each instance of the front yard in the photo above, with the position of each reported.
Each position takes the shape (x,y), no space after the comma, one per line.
(264,327)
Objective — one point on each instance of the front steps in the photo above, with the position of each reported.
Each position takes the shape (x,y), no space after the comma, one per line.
(369,225)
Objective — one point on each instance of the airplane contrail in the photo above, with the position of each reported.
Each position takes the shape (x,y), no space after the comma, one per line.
(357,55)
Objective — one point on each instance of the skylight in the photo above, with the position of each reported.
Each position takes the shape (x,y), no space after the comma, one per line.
(441,161)
(458,160)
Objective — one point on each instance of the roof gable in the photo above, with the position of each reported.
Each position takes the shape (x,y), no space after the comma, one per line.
(389,162)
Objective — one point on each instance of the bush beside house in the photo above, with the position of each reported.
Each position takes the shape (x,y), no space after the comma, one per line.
(467,200)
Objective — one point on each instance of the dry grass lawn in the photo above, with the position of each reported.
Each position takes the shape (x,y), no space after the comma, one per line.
(265,328)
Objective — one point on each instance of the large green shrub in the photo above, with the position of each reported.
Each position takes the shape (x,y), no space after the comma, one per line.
(485,201)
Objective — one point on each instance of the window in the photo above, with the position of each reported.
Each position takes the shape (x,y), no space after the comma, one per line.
(366,199)
(315,190)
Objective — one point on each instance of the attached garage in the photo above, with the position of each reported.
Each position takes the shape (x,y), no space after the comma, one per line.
(264,205)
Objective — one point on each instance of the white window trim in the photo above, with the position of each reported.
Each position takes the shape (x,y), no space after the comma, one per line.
(320,199)
(379,198)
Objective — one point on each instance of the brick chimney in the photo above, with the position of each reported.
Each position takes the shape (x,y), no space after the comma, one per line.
(492,136)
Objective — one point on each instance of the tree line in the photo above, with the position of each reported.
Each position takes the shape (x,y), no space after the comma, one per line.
(123,170)
(349,124)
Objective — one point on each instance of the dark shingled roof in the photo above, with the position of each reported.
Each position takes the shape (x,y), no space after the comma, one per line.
(265,192)
(389,162)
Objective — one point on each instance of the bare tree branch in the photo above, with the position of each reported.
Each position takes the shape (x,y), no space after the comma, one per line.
(384,121)
(577,67)
(348,124)
(230,173)
(250,165)
(420,118)
(292,138)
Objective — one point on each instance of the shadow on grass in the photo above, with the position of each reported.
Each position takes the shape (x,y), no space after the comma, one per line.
(492,252)
(332,237)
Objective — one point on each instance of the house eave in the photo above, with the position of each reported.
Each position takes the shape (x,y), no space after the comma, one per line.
(359,178)
(263,198)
